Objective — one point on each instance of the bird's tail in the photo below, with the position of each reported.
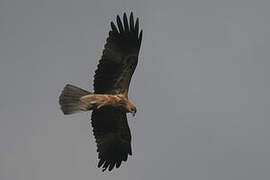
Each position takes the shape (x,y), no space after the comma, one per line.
(70,99)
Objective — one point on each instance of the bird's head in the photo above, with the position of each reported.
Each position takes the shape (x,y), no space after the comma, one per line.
(131,109)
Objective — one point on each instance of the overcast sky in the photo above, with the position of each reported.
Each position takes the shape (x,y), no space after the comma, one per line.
(201,89)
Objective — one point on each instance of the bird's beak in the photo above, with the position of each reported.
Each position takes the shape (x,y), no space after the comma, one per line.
(133,113)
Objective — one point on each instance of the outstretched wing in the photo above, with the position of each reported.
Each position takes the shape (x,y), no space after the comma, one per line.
(112,135)
(119,58)
(113,76)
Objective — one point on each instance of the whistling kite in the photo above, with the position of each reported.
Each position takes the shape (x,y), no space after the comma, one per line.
(110,101)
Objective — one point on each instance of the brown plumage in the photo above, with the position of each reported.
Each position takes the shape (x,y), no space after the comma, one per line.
(109,101)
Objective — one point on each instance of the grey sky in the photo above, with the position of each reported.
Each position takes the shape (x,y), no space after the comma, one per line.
(201,89)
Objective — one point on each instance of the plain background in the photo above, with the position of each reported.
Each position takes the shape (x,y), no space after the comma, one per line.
(201,89)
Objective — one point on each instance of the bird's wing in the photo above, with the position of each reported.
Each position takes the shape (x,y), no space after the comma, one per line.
(112,135)
(119,58)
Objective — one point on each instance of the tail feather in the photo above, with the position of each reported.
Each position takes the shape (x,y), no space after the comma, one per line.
(69,99)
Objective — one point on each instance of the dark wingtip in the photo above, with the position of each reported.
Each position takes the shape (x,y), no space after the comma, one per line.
(136,26)
(105,166)
(114,27)
(140,36)
(126,25)
(101,161)
(131,21)
(130,151)
(111,166)
(118,163)
(119,24)
(125,22)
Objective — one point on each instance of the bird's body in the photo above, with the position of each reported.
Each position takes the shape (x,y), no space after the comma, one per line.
(97,101)
(109,102)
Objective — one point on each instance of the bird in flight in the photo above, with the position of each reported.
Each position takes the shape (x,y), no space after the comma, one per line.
(109,102)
